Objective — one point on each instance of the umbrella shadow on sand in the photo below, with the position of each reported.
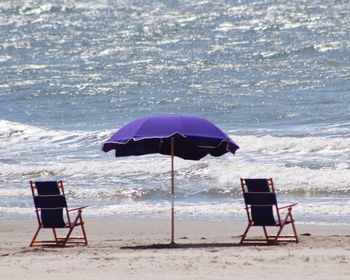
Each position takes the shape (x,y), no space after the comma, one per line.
(190,246)
(201,245)
(179,246)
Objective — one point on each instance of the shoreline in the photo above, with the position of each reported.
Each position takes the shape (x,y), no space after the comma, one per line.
(137,248)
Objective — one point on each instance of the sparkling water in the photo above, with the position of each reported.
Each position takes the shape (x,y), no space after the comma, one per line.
(274,75)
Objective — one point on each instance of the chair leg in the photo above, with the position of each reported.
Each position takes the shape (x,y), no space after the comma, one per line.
(55,235)
(279,232)
(245,233)
(289,215)
(282,226)
(71,228)
(83,230)
(68,235)
(266,235)
(35,236)
(294,229)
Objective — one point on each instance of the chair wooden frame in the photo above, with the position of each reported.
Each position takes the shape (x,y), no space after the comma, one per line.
(70,224)
(279,223)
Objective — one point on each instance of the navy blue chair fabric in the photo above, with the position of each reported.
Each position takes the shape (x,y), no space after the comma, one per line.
(261,200)
(47,187)
(51,204)
(257,185)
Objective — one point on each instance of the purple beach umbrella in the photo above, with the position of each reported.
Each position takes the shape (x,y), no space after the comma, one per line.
(186,137)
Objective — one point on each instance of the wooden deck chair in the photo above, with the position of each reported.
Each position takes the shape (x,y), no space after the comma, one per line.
(262,210)
(50,208)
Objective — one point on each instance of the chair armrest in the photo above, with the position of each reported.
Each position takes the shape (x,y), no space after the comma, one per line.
(287,206)
(78,208)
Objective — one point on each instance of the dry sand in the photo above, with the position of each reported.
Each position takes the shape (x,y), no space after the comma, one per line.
(125,249)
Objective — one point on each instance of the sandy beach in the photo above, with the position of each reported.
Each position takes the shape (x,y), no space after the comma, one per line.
(136,249)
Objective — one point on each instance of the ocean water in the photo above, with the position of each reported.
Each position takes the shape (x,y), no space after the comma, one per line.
(274,75)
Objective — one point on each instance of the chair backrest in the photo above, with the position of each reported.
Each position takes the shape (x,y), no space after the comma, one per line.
(260,199)
(50,203)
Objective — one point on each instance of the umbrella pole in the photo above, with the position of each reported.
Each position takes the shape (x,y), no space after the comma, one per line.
(172,191)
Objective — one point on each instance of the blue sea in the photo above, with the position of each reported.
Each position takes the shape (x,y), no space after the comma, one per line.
(274,75)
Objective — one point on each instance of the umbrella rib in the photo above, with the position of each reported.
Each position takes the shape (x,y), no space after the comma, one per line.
(169,136)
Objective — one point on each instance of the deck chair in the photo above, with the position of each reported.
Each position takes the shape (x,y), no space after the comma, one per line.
(51,209)
(263,211)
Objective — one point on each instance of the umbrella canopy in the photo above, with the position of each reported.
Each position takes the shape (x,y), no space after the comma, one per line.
(186,137)
(194,138)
